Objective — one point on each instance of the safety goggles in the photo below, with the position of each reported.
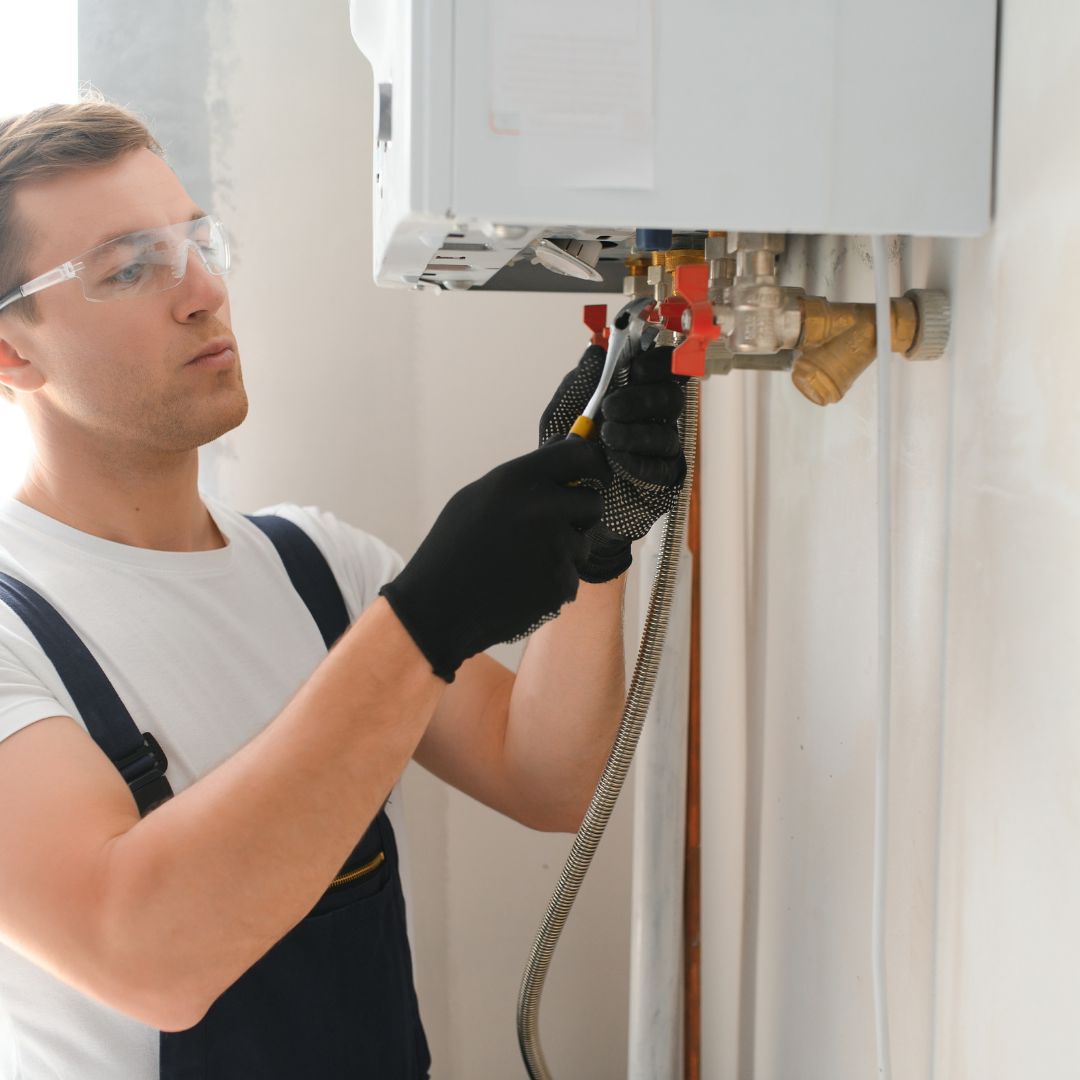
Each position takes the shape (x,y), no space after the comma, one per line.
(147,261)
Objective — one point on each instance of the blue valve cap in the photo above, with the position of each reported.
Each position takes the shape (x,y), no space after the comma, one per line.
(653,240)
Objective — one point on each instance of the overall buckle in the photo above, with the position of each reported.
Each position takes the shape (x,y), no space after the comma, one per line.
(144,770)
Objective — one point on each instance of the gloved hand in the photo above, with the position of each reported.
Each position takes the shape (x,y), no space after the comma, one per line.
(640,437)
(504,554)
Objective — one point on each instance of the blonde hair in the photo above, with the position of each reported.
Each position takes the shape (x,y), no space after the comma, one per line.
(47,142)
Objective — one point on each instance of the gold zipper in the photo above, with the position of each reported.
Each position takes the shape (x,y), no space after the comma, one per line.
(360,871)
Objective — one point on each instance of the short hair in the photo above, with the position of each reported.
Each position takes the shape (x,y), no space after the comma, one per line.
(47,142)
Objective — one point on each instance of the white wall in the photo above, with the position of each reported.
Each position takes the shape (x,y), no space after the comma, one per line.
(1010,873)
(984,881)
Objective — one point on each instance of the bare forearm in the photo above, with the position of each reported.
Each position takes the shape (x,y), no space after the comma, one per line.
(205,884)
(566,703)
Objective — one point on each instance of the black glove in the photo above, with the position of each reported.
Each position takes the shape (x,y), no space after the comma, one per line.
(504,554)
(640,436)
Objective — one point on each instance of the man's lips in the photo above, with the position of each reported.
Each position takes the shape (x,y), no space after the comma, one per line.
(217,353)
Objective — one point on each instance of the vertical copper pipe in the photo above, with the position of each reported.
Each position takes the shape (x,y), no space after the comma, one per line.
(692,875)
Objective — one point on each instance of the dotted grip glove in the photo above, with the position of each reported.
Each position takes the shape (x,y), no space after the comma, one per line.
(639,433)
(503,555)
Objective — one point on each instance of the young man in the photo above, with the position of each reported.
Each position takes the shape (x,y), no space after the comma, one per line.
(237,913)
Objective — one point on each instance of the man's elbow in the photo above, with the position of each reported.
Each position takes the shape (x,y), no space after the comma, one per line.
(143,962)
(176,1016)
(146,971)
(566,825)
(563,817)
(152,998)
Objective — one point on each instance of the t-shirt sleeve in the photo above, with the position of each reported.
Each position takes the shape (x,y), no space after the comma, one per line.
(25,696)
(362,563)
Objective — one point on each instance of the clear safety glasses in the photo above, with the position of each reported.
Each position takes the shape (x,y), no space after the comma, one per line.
(147,261)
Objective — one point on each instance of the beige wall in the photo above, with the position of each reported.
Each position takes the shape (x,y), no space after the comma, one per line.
(379,405)
(984,883)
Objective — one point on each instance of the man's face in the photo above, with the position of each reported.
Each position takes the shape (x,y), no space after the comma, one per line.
(120,371)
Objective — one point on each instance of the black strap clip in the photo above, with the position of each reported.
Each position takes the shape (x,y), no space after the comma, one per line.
(144,770)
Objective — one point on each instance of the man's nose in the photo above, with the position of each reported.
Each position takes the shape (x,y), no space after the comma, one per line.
(200,290)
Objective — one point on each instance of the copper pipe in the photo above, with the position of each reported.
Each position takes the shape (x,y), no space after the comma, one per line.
(692,874)
(839,342)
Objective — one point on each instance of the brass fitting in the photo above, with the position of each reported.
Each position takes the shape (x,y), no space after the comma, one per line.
(681,257)
(663,266)
(635,280)
(839,342)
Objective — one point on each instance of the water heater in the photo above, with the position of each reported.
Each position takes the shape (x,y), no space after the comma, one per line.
(521,145)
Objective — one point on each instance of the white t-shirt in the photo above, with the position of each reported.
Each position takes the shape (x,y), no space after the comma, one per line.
(204,648)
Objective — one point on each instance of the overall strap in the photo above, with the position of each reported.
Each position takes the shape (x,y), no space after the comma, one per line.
(138,757)
(310,574)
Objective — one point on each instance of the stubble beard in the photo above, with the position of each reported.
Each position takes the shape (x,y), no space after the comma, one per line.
(179,421)
(179,428)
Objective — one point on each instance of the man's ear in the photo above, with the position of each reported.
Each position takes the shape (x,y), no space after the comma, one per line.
(16,371)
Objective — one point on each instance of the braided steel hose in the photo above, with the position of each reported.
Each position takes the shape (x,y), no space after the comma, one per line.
(611,781)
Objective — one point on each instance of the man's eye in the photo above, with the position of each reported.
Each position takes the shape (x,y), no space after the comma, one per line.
(127,275)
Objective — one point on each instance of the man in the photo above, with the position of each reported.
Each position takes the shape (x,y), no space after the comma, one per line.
(218,916)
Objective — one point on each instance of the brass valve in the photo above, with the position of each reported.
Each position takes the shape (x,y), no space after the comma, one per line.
(839,341)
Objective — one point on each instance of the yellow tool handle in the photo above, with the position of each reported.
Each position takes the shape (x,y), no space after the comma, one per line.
(583,427)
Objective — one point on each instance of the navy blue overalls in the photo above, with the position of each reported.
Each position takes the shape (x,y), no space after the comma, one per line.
(334,998)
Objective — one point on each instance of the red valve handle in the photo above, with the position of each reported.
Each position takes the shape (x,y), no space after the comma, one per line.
(596,321)
(692,284)
(671,312)
(668,313)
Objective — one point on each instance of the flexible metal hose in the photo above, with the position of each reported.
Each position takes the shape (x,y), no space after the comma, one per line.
(618,763)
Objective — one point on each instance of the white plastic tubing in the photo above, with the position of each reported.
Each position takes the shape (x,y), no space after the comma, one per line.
(881,770)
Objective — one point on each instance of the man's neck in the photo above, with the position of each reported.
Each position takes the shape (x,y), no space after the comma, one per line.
(153,506)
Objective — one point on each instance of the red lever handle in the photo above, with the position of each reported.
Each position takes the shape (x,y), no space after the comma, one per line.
(692,284)
(596,321)
(671,312)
